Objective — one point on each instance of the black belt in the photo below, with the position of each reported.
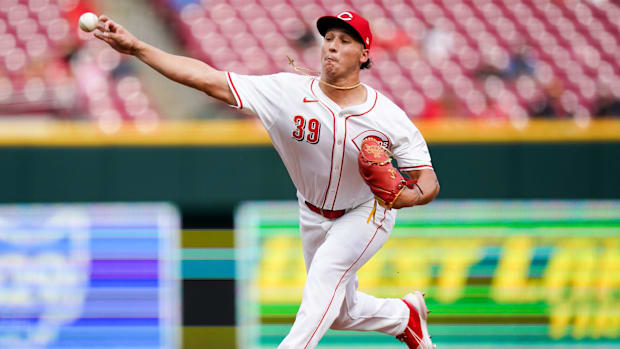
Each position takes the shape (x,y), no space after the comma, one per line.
(326,213)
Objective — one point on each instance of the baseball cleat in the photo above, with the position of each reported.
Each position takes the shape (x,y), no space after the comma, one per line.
(416,334)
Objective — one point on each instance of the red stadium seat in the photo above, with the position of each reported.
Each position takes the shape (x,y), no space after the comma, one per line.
(5,5)
(38,5)
(7,43)
(37,45)
(26,29)
(48,14)
(16,14)
(15,60)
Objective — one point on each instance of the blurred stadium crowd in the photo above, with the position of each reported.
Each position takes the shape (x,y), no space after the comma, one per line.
(490,59)
(50,68)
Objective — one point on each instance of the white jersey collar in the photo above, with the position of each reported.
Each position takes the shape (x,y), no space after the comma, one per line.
(371,99)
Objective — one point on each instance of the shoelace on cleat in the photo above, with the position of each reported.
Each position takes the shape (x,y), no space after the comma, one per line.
(415,336)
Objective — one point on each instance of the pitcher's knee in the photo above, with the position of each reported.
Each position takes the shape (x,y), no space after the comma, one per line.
(341,323)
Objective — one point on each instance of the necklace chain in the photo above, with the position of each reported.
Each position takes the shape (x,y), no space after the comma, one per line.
(314,74)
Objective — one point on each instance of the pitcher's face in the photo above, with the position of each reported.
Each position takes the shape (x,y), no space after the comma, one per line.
(341,53)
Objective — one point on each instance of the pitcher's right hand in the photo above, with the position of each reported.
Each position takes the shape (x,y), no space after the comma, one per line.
(116,36)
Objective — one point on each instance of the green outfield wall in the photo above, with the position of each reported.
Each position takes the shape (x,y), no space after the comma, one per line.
(213,180)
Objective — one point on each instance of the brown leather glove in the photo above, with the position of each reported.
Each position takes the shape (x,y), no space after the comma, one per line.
(375,166)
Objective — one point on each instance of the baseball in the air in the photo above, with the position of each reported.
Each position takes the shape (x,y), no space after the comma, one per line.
(88,21)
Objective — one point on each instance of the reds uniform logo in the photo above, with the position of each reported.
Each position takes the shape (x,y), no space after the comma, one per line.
(345,16)
(381,137)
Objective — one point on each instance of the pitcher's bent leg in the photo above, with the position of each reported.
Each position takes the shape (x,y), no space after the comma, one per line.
(363,312)
(350,243)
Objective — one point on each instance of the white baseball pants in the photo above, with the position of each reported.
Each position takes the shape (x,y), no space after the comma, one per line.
(334,250)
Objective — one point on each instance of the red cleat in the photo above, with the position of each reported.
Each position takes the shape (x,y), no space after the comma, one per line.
(416,334)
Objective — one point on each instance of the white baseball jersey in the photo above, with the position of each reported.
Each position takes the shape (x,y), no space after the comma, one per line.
(319,142)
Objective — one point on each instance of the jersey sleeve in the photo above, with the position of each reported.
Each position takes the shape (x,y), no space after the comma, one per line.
(410,149)
(259,94)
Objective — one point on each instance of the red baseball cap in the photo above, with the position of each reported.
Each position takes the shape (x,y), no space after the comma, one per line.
(349,18)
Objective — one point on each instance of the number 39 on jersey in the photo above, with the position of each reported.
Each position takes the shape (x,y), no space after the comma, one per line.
(309,131)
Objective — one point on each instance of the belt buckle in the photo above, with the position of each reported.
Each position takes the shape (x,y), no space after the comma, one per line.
(322,212)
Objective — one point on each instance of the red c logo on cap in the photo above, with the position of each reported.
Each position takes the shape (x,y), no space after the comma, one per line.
(345,16)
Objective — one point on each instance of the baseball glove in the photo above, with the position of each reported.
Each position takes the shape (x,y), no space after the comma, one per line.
(375,166)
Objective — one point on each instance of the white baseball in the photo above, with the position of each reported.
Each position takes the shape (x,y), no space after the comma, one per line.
(88,21)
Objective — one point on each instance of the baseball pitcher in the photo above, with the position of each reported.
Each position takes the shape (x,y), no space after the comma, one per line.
(336,136)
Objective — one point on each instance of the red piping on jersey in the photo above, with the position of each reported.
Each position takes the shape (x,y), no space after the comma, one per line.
(344,146)
(342,277)
(235,89)
(371,108)
(331,165)
(412,167)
